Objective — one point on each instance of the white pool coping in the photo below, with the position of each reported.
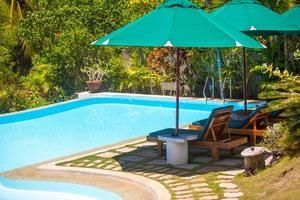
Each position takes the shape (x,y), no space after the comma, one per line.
(158,191)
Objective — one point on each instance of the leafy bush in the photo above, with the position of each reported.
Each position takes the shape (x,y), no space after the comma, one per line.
(283,89)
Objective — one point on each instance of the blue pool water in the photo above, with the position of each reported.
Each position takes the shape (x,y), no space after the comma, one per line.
(37,190)
(62,129)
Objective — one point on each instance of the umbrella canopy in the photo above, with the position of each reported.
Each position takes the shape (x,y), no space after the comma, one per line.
(253,18)
(293,15)
(177,23)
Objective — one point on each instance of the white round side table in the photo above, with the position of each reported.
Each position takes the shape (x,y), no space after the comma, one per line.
(177,147)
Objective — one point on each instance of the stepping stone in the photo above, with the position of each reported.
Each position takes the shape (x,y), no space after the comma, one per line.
(209,197)
(108,154)
(180,188)
(209,169)
(166,177)
(187,166)
(158,162)
(230,162)
(184,196)
(203,190)
(100,166)
(155,176)
(169,181)
(176,184)
(223,181)
(183,173)
(231,190)
(225,177)
(184,192)
(148,167)
(230,199)
(80,164)
(146,153)
(228,185)
(203,159)
(133,158)
(126,149)
(91,164)
(109,167)
(98,161)
(233,195)
(234,172)
(199,185)
(86,161)
(68,164)
(198,180)
(145,144)
(174,171)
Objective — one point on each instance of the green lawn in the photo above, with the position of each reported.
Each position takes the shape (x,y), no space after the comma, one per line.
(282,181)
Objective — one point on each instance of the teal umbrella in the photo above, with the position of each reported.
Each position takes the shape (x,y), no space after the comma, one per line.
(177,23)
(293,15)
(253,18)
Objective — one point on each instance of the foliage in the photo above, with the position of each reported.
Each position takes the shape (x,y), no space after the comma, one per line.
(161,60)
(273,139)
(284,90)
(94,72)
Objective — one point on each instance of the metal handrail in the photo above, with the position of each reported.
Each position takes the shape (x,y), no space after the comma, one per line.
(222,89)
(205,85)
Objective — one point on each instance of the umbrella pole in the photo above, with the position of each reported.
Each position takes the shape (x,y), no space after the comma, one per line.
(245,80)
(177,90)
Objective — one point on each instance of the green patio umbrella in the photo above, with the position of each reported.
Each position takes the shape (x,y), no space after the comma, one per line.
(177,24)
(253,18)
(293,15)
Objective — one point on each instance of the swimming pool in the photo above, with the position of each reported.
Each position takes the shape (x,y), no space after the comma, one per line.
(41,134)
(29,190)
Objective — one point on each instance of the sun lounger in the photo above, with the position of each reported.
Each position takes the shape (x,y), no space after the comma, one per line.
(213,135)
(252,125)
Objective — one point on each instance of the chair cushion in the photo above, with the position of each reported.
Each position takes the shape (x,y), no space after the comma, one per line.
(200,122)
(199,133)
(236,123)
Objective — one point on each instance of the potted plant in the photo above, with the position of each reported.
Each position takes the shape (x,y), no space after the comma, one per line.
(95,74)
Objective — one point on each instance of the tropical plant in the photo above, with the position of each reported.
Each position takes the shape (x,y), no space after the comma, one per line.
(283,89)
(94,72)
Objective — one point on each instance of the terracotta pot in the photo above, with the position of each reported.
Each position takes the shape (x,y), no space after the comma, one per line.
(94,86)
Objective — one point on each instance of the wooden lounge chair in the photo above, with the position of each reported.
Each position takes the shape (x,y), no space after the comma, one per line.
(252,125)
(214,135)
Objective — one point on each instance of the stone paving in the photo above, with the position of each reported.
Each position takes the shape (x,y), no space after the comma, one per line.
(200,179)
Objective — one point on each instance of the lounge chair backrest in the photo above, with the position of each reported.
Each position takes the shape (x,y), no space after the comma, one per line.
(252,115)
(217,116)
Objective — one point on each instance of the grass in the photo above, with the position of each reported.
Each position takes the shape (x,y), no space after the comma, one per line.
(280,182)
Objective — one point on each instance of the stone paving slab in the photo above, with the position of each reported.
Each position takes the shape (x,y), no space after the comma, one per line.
(126,149)
(108,154)
(158,162)
(187,166)
(184,181)
(146,153)
(133,158)
(209,169)
(230,162)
